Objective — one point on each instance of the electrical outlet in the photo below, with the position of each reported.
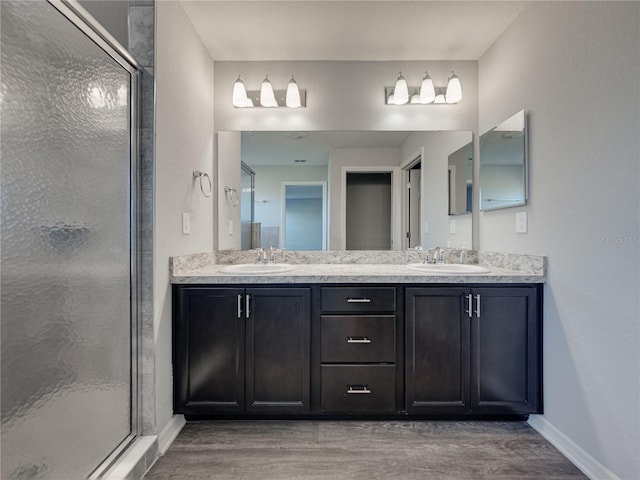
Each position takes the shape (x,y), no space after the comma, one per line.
(186,224)
(230,227)
(452,226)
(521,222)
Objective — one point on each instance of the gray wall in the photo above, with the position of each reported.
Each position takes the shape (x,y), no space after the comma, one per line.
(575,67)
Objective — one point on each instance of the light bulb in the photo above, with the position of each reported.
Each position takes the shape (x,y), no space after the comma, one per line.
(240,94)
(454,89)
(427,89)
(401,91)
(267,97)
(293,94)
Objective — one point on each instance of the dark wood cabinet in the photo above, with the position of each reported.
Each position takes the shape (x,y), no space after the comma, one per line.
(473,350)
(505,351)
(437,348)
(209,345)
(238,350)
(277,350)
(316,350)
(361,364)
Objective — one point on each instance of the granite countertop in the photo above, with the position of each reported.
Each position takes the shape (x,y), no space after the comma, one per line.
(351,273)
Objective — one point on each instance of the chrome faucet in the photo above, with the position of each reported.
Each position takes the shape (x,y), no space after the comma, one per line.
(438,255)
(261,256)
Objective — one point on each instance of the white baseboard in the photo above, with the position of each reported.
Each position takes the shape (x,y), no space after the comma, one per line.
(581,459)
(170,432)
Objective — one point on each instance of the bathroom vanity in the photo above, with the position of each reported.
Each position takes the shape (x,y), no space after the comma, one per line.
(357,340)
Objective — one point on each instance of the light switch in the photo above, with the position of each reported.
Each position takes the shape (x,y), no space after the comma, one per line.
(521,222)
(452,226)
(186,224)
(230,227)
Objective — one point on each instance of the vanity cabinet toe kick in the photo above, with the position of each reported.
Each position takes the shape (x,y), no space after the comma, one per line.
(347,350)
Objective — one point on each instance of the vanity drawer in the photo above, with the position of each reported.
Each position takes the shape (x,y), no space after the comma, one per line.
(358,388)
(358,339)
(354,299)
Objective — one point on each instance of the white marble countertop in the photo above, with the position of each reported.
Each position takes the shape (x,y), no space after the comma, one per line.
(352,273)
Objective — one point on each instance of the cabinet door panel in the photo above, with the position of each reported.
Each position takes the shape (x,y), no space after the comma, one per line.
(211,347)
(505,346)
(437,351)
(278,342)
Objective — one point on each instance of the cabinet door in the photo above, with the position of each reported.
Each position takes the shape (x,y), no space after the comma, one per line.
(437,339)
(209,351)
(505,351)
(278,343)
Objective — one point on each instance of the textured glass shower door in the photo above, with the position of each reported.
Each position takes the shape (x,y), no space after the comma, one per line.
(67,281)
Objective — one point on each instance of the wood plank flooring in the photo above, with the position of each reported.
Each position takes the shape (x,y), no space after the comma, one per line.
(363,450)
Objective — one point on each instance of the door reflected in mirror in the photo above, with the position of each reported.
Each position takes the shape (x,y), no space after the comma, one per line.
(503,164)
(299,189)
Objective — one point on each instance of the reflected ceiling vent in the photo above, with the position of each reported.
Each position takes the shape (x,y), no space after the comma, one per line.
(296,135)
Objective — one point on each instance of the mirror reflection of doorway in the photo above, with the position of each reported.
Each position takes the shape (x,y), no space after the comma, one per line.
(368,192)
(250,232)
(413,206)
(304,217)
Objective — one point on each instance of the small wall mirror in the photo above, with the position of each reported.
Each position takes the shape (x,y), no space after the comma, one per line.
(503,164)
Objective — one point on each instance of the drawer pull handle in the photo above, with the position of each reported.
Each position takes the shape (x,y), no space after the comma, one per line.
(358,340)
(358,389)
(358,300)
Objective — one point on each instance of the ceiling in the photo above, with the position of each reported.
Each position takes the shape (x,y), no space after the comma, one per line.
(284,148)
(314,30)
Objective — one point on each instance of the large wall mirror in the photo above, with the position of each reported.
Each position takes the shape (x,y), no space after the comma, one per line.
(345,190)
(503,164)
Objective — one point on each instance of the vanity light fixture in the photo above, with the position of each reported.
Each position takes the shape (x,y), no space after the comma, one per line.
(293,94)
(401,91)
(240,98)
(454,89)
(267,97)
(426,94)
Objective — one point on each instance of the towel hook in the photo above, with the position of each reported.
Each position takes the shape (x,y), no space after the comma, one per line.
(199,174)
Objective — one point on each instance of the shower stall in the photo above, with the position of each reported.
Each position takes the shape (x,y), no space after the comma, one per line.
(69,299)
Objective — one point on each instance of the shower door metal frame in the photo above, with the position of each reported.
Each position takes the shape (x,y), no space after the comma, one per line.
(80,18)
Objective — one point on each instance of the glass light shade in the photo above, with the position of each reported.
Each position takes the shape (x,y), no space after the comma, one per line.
(427,89)
(415,99)
(454,89)
(401,91)
(240,94)
(439,98)
(391,100)
(267,97)
(293,94)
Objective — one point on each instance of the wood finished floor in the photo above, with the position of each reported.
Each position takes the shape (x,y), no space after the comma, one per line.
(284,450)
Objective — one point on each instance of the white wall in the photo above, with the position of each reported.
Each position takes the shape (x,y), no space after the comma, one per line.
(184,142)
(434,188)
(345,96)
(574,66)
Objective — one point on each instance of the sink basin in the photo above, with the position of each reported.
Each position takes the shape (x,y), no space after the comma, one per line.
(257,268)
(448,268)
